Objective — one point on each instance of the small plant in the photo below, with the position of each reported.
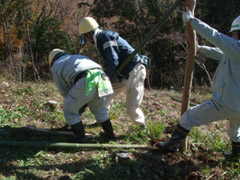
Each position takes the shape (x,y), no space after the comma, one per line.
(163,112)
(6,116)
(207,171)
(117,108)
(197,136)
(216,143)
(156,129)
(211,141)
(24,91)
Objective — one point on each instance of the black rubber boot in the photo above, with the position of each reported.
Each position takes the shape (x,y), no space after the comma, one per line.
(235,155)
(79,132)
(108,129)
(173,144)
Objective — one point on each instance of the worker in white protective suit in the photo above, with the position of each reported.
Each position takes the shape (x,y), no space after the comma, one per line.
(114,51)
(81,81)
(225,101)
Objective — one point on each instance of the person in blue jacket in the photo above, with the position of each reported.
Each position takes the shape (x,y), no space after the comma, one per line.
(81,81)
(225,101)
(114,51)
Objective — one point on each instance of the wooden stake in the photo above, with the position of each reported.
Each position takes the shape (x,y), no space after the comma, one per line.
(191,52)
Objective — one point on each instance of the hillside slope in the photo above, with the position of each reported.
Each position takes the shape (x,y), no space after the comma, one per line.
(26,104)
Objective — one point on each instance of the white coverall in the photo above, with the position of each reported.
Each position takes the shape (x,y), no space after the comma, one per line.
(64,71)
(225,101)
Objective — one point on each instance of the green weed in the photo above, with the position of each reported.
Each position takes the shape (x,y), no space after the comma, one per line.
(156,129)
(24,91)
(8,178)
(6,116)
(211,141)
(207,171)
(216,143)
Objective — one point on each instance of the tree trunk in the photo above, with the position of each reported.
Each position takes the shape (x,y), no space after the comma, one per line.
(7,37)
(35,71)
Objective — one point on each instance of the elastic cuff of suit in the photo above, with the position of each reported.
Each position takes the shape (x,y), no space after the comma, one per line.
(182,129)
(235,144)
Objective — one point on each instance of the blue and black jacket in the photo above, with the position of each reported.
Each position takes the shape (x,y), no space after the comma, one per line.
(114,50)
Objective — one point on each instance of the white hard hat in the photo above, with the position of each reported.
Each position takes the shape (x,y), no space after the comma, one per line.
(53,53)
(86,25)
(235,24)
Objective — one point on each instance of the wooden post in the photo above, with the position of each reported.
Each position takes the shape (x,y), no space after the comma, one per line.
(191,52)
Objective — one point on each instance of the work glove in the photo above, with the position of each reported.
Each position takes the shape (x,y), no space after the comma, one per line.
(187,15)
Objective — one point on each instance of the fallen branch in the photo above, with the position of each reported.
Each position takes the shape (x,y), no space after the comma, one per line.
(53,145)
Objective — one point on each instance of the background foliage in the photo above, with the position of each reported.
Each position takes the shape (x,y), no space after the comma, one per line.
(30,29)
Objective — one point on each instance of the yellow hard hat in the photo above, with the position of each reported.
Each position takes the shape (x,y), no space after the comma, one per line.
(53,53)
(235,24)
(86,25)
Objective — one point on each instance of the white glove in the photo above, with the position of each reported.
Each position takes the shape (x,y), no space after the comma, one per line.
(187,15)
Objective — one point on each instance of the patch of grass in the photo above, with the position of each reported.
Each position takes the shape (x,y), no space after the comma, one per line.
(87,115)
(117,109)
(26,91)
(207,170)
(213,142)
(8,178)
(156,129)
(10,115)
(135,134)
(216,143)
(197,136)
